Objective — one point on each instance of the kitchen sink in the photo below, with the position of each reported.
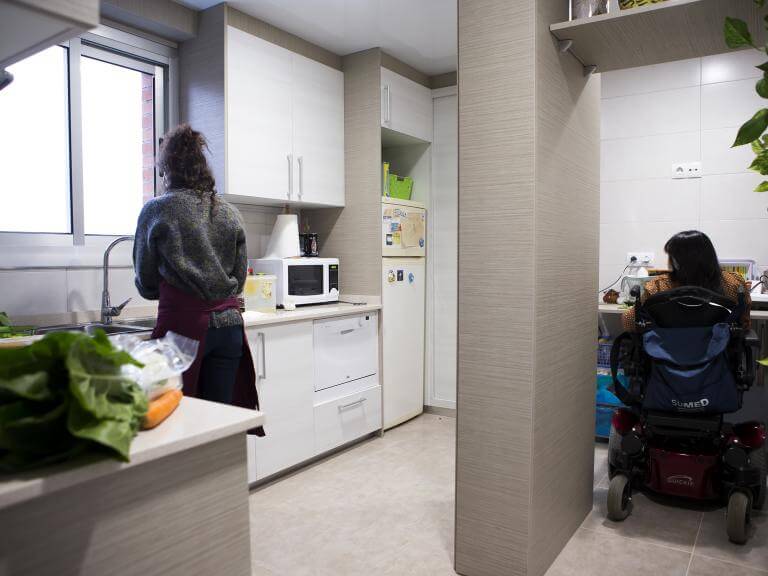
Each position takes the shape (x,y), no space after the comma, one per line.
(91,327)
(145,323)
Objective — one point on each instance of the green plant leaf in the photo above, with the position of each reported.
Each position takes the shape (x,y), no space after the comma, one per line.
(762,86)
(737,33)
(753,128)
(762,187)
(763,67)
(757,146)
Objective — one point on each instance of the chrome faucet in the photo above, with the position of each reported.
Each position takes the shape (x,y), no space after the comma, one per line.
(107,310)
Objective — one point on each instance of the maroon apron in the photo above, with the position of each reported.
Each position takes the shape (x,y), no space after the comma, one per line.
(189,316)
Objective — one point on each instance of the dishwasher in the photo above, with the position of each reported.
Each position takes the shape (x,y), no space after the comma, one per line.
(346,351)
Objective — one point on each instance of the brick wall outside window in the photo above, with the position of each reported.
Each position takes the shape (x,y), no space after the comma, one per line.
(148,135)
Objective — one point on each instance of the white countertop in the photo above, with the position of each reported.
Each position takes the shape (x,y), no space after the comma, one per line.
(194,423)
(252,319)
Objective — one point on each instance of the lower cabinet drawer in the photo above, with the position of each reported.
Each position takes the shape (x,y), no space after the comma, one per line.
(345,419)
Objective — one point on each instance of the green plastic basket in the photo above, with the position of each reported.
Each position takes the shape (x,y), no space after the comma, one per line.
(400,187)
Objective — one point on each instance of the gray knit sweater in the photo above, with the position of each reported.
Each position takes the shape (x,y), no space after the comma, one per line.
(195,247)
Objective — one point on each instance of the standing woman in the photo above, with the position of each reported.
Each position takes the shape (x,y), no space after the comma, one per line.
(190,253)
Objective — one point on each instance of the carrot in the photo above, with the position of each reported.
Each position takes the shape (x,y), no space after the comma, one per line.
(160,408)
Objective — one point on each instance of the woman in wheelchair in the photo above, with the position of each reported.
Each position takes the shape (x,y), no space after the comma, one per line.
(686,359)
(693,262)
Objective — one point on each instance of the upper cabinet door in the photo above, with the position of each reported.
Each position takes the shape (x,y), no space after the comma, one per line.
(259,118)
(318,132)
(406,106)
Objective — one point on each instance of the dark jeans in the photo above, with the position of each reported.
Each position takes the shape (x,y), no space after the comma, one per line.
(221,359)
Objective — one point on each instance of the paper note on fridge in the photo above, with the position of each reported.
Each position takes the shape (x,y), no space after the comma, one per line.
(412,230)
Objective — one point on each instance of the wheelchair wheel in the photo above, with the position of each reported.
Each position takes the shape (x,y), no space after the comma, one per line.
(619,498)
(760,461)
(737,517)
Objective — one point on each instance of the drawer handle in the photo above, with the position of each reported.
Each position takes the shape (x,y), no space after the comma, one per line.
(351,404)
(347,331)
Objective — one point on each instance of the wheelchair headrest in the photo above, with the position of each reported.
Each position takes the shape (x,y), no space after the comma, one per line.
(689,307)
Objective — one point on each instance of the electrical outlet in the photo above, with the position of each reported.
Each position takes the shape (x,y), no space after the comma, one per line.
(643,258)
(686,170)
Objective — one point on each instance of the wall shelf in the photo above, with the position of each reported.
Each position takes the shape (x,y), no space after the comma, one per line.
(663,32)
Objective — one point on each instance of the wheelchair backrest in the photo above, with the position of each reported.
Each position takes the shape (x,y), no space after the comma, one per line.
(688,307)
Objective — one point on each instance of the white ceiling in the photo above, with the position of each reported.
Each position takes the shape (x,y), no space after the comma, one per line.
(421,33)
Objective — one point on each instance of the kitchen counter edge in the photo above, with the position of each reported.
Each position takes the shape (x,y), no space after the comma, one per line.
(194,423)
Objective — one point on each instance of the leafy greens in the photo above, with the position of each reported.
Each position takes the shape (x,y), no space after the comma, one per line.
(63,395)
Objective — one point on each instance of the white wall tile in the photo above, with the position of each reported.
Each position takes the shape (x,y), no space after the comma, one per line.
(729,103)
(732,196)
(738,238)
(730,66)
(717,155)
(655,200)
(647,157)
(645,79)
(664,112)
(85,288)
(30,292)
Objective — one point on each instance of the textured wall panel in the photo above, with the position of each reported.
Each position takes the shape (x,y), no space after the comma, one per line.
(496,209)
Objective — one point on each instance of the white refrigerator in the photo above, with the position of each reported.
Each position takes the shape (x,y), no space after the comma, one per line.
(403,232)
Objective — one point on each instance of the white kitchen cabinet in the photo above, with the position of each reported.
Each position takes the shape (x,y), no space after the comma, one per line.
(318,132)
(284,124)
(406,106)
(283,361)
(259,118)
(29,26)
(345,419)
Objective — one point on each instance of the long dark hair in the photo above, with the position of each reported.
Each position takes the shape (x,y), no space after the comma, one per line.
(182,161)
(693,260)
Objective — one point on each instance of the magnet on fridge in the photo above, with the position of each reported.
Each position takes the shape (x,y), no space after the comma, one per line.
(399,275)
(421,242)
(411,278)
(396,237)
(389,239)
(391,276)
(394,227)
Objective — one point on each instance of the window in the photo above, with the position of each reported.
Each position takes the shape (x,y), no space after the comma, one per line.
(79,127)
(34,147)
(118,145)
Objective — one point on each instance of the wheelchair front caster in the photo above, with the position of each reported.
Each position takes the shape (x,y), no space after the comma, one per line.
(737,517)
(619,498)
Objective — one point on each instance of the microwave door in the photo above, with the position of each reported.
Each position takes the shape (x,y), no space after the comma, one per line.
(306,280)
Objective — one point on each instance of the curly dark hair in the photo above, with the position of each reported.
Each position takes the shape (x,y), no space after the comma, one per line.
(182,161)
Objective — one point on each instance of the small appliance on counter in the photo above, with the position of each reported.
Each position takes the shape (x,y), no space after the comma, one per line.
(301,281)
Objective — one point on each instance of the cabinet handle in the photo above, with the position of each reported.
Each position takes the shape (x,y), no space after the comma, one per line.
(263,339)
(290,175)
(389,104)
(387,109)
(351,404)
(347,331)
(301,177)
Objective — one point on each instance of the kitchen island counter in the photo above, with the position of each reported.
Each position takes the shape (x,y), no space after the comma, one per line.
(180,506)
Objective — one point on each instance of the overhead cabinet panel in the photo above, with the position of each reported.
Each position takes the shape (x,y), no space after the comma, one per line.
(406,106)
(259,117)
(318,132)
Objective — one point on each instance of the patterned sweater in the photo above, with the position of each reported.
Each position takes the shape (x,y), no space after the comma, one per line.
(663,282)
(194,246)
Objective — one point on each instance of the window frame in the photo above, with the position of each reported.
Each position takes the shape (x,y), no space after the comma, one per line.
(55,250)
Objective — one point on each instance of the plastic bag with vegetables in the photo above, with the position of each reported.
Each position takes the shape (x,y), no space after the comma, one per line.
(163,361)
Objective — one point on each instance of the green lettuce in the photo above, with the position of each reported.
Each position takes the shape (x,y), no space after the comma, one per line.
(62,395)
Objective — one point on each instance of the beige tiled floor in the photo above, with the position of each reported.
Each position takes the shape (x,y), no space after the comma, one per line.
(660,538)
(385,507)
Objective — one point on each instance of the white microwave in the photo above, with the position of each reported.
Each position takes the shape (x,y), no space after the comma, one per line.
(302,280)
